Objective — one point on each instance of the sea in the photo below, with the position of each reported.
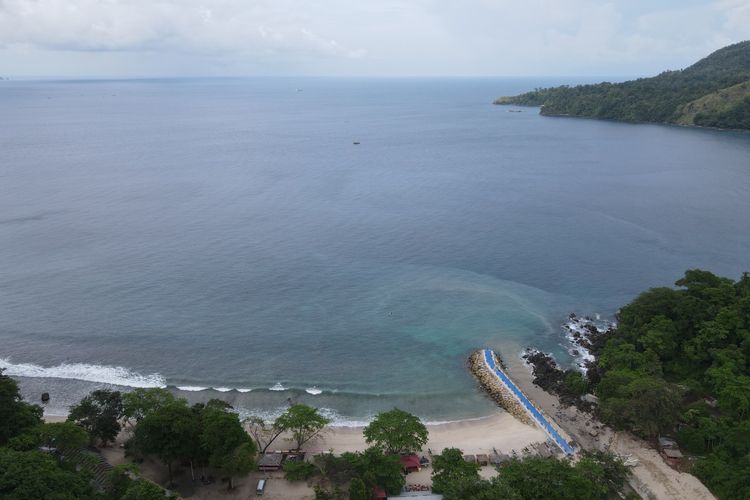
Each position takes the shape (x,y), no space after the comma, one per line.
(344,243)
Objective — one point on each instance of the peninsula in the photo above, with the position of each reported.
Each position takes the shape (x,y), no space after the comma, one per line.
(714,92)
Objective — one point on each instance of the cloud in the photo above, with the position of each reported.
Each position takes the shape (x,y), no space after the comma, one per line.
(388,37)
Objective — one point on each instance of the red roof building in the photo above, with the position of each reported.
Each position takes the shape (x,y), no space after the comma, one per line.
(378,493)
(410,463)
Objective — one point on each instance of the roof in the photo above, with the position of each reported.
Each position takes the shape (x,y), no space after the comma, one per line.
(671,453)
(378,493)
(666,442)
(270,460)
(410,461)
(496,458)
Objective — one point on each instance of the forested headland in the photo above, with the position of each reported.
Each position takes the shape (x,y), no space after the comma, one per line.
(714,92)
(676,365)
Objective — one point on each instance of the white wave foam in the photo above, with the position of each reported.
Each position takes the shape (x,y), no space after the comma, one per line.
(244,390)
(223,389)
(115,375)
(313,390)
(277,387)
(191,388)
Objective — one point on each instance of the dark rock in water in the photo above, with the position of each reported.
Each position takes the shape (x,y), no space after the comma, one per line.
(45,397)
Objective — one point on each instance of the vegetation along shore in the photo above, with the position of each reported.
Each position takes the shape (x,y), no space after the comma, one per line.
(714,92)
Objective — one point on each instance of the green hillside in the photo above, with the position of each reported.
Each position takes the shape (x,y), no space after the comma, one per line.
(712,92)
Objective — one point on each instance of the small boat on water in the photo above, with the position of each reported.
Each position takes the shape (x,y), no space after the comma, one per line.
(356,143)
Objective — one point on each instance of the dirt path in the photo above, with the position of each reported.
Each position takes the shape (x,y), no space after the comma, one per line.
(652,477)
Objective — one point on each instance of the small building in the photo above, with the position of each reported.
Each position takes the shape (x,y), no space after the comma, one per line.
(378,493)
(498,458)
(483,459)
(665,442)
(410,463)
(470,458)
(270,462)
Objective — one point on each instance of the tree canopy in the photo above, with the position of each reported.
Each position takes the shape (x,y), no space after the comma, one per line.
(16,415)
(303,422)
(396,431)
(678,363)
(34,474)
(99,414)
(449,470)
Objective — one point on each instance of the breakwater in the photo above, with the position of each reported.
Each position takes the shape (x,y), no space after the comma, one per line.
(496,389)
(502,389)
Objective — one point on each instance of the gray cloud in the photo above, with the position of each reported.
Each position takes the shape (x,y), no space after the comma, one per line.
(388,37)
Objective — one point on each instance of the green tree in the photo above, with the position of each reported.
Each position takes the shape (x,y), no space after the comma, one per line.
(168,432)
(36,475)
(62,435)
(378,469)
(141,489)
(303,422)
(262,432)
(298,470)
(137,404)
(576,383)
(396,431)
(99,414)
(449,470)
(358,490)
(16,416)
(226,444)
(542,479)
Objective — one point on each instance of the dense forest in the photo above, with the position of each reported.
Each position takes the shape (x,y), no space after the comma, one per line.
(667,98)
(678,364)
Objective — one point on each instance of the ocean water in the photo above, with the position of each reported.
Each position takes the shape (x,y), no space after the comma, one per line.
(227,237)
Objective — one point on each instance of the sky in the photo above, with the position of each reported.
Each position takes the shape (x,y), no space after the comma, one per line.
(152,38)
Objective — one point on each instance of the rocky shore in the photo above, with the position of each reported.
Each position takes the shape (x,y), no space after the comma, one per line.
(495,389)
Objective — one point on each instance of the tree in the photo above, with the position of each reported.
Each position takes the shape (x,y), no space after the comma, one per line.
(16,415)
(541,479)
(604,469)
(34,474)
(142,489)
(137,404)
(99,414)
(263,433)
(298,470)
(358,490)
(226,444)
(377,469)
(168,432)
(449,470)
(61,435)
(240,461)
(396,431)
(304,422)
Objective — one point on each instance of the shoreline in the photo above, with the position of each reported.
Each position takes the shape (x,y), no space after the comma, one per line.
(499,431)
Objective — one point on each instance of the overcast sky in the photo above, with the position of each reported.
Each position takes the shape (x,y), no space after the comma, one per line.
(362,37)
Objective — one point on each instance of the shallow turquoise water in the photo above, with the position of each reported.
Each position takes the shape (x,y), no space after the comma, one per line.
(229,234)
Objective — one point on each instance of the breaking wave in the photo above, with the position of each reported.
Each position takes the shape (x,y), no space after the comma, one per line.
(115,375)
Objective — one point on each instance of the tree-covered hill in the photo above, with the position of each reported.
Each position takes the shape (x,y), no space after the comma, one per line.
(708,93)
(679,364)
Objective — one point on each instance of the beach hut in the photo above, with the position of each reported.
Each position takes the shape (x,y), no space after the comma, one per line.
(270,462)
(410,463)
(483,459)
(470,458)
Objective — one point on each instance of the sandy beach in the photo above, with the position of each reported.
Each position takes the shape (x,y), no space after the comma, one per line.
(497,432)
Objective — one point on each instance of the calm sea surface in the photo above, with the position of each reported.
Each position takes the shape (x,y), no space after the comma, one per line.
(228,234)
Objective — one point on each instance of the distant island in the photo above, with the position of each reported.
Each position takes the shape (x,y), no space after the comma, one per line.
(714,92)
